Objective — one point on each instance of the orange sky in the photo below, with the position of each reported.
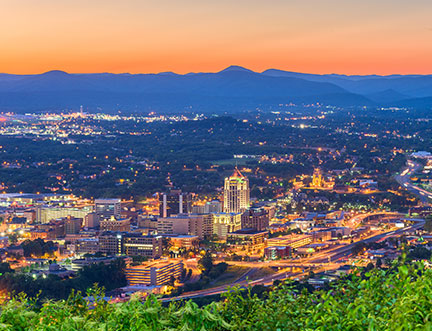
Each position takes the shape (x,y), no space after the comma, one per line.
(319,36)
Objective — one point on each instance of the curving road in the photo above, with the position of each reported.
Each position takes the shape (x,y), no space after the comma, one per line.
(334,255)
(404,180)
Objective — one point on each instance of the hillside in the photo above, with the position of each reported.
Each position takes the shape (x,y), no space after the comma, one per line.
(233,89)
(396,299)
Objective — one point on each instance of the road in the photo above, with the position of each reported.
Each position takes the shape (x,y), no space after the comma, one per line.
(328,259)
(322,259)
(193,265)
(404,180)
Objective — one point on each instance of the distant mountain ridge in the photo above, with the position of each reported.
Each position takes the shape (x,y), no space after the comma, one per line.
(233,89)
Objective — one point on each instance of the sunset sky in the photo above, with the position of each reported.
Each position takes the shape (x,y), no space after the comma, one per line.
(318,36)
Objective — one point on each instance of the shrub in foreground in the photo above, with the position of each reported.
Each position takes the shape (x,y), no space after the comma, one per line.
(396,299)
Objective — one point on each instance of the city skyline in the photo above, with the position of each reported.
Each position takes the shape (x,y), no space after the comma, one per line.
(346,37)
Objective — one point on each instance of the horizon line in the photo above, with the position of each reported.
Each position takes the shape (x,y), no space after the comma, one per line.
(233,67)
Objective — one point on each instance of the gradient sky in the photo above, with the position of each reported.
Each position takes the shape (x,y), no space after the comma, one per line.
(319,36)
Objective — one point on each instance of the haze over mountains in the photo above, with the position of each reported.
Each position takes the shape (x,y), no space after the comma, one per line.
(232,89)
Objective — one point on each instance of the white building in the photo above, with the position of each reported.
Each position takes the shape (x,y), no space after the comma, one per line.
(236,193)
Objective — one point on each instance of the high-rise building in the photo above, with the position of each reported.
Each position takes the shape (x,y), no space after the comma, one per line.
(73,225)
(173,203)
(91,220)
(236,193)
(256,219)
(106,208)
(207,208)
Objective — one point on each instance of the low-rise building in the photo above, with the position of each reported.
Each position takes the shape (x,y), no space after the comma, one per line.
(183,241)
(140,245)
(78,264)
(200,225)
(130,244)
(156,273)
(277,252)
(87,246)
(116,225)
(293,241)
(224,223)
(250,238)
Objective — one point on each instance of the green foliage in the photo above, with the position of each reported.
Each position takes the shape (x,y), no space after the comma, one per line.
(109,276)
(394,299)
(419,253)
(38,247)
(5,268)
(13,238)
(206,263)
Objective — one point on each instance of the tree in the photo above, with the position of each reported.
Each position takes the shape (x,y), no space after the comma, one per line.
(358,248)
(428,223)
(13,238)
(189,274)
(166,245)
(419,253)
(5,268)
(378,263)
(206,263)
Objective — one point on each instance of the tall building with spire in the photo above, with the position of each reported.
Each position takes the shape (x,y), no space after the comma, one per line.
(236,193)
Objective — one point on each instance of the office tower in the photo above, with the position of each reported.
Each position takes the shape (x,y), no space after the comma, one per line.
(130,244)
(236,193)
(73,225)
(224,223)
(256,219)
(106,208)
(136,244)
(214,206)
(91,220)
(190,224)
(111,243)
(173,203)
(207,208)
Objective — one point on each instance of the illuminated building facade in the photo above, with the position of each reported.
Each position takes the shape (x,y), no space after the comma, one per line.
(173,203)
(236,193)
(156,274)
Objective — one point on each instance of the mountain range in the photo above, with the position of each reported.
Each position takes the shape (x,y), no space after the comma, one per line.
(232,89)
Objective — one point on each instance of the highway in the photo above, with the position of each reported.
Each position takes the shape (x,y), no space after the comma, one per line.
(404,180)
(326,260)
(329,259)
